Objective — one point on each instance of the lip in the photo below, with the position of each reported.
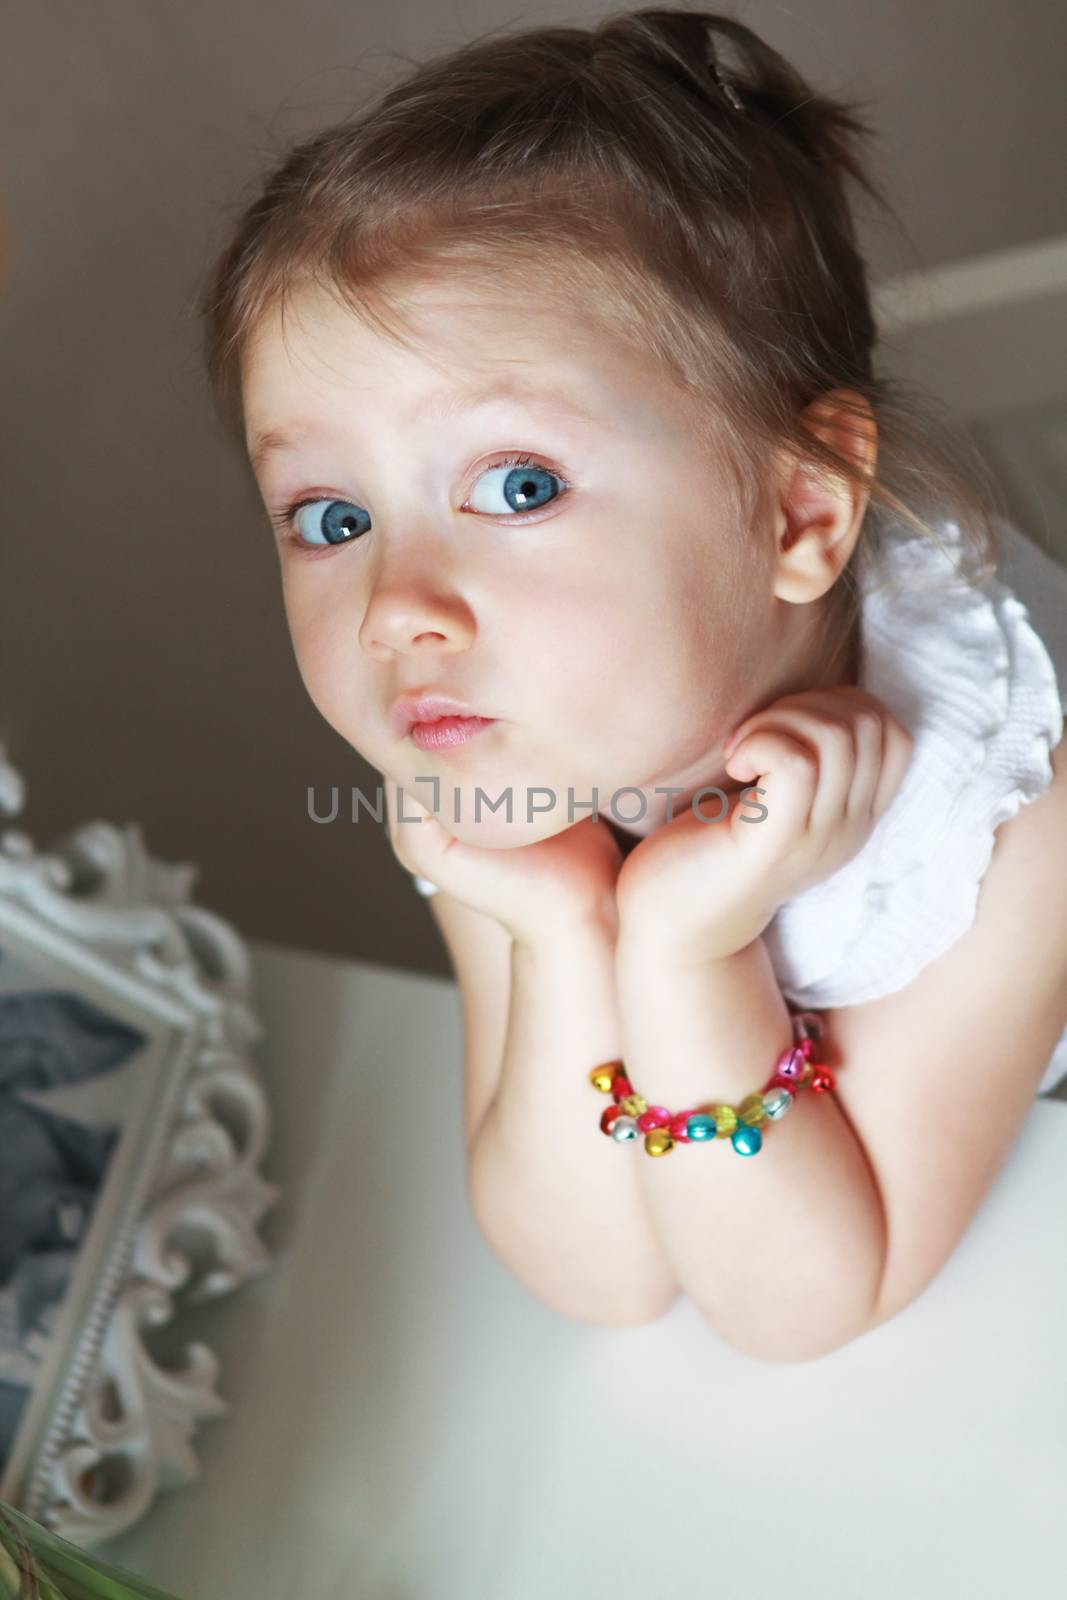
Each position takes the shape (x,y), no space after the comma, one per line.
(444,732)
(409,711)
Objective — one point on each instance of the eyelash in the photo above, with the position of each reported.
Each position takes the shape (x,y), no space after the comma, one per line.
(283,520)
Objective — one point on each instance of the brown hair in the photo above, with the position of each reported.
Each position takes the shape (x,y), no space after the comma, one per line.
(613,163)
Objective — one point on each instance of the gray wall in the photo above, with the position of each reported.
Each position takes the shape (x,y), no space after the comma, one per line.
(146,671)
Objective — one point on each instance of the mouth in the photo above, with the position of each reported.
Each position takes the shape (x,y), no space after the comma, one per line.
(435,721)
(443,732)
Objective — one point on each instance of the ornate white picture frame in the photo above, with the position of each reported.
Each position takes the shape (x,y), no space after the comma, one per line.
(132,1126)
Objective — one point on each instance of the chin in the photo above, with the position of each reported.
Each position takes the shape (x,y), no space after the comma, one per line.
(464,807)
(494,831)
(480,825)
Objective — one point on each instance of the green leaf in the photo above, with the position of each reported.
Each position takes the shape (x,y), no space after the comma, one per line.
(38,1565)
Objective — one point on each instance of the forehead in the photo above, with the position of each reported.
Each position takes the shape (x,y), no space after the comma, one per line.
(463,348)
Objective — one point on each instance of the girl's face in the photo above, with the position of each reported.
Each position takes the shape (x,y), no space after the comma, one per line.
(597,601)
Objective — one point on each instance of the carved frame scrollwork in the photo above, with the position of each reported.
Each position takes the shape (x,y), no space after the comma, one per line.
(109,1426)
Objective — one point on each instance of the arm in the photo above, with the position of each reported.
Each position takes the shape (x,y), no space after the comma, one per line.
(955,1058)
(480,952)
(782,1252)
(861,1195)
(550,1197)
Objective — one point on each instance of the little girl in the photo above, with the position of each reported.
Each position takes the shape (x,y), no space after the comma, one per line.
(678,636)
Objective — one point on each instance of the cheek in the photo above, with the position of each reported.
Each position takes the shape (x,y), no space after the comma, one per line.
(665,693)
(547,640)
(329,661)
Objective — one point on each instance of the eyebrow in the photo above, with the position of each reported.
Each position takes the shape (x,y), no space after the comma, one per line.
(276,441)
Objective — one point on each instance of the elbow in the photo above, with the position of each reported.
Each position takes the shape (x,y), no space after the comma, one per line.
(795,1353)
(596,1305)
(598,1291)
(788,1334)
(634,1312)
(803,1318)
(600,1305)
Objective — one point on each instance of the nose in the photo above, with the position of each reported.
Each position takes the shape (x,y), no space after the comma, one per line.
(416,613)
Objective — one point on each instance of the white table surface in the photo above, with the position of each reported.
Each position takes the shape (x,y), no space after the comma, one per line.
(406,1421)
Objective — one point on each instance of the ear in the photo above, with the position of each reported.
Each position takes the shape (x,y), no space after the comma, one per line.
(818,514)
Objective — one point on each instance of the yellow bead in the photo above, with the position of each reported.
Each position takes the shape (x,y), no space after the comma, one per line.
(725,1120)
(659,1141)
(602,1078)
(634,1105)
(752,1110)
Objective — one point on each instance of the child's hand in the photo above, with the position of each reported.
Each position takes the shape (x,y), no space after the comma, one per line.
(827,762)
(530,890)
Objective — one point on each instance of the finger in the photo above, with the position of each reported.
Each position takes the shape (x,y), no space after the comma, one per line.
(883,750)
(828,734)
(787,769)
(894,750)
(424,845)
(897,747)
(410,827)
(868,733)
(865,718)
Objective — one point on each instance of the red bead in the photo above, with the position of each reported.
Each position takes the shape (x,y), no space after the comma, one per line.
(823,1078)
(654,1117)
(620,1087)
(607,1120)
(679,1126)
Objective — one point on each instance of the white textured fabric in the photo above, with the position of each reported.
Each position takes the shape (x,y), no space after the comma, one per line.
(982,694)
(978,675)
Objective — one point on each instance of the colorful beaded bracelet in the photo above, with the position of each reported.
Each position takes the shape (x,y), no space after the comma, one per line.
(794,1070)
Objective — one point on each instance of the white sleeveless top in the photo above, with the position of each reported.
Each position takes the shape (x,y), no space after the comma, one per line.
(977,673)
(978,676)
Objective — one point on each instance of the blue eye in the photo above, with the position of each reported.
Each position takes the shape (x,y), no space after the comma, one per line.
(324,522)
(522,485)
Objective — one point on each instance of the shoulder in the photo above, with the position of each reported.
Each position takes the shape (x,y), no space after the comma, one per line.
(1019,943)
(1021,933)
(1032,842)
(971,678)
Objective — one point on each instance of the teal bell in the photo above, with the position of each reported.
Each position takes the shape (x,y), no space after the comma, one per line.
(747,1141)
